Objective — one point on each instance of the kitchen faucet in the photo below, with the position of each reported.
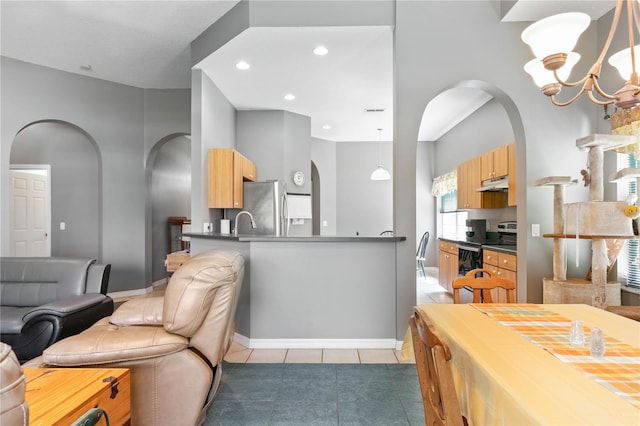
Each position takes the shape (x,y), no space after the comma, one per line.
(253,223)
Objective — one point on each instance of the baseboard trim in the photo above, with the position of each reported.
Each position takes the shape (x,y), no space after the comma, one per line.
(316,343)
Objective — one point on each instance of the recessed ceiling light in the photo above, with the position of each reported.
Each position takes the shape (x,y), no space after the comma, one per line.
(242,65)
(320,51)
(289,97)
(326,127)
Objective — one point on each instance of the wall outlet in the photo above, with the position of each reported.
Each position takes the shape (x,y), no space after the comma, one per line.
(325,223)
(535,229)
(63,226)
(207,227)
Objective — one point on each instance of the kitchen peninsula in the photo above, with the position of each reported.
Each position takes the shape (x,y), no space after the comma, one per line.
(315,291)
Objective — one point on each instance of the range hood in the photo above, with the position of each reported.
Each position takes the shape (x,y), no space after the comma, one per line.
(498,184)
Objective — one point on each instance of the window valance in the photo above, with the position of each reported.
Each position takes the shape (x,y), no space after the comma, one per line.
(445,184)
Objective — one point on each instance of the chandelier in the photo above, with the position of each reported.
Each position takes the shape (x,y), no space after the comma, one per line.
(552,40)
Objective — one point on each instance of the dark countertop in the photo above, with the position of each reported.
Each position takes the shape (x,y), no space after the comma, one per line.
(273,238)
(505,248)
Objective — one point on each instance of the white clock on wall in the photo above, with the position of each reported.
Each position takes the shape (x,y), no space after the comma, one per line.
(298,178)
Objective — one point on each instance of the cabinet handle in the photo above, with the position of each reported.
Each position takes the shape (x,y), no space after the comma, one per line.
(504,261)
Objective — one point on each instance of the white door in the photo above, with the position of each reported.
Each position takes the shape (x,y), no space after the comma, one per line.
(30,211)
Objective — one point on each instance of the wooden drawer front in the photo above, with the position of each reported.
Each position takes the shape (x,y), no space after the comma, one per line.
(489,257)
(507,261)
(449,247)
(60,396)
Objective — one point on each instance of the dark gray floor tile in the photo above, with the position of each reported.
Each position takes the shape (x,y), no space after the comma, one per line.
(319,371)
(241,389)
(415,412)
(369,371)
(372,413)
(307,389)
(363,389)
(408,389)
(239,413)
(304,413)
(254,371)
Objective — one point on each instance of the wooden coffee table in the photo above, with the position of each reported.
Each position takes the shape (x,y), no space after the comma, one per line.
(60,396)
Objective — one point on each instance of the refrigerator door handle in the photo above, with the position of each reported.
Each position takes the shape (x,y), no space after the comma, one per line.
(285,214)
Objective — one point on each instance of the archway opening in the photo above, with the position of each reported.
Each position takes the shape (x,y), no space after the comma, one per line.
(488,121)
(169,189)
(75,223)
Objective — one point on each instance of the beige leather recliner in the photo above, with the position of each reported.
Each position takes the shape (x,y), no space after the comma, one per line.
(173,345)
(13,408)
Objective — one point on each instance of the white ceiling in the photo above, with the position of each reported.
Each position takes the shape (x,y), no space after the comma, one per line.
(146,44)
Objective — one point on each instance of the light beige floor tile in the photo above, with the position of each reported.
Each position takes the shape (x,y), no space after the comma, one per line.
(275,356)
(377,356)
(236,347)
(340,356)
(398,355)
(238,357)
(310,356)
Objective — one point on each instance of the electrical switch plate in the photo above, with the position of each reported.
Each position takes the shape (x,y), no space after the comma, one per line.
(325,223)
(63,226)
(535,229)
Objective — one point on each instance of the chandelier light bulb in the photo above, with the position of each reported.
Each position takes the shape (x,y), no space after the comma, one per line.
(542,76)
(622,61)
(555,34)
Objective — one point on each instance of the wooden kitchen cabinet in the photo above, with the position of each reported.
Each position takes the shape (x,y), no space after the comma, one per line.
(512,193)
(447,264)
(468,181)
(227,170)
(495,163)
(502,265)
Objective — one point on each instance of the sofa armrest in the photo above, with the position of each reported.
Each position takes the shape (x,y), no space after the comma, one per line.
(142,311)
(65,307)
(98,278)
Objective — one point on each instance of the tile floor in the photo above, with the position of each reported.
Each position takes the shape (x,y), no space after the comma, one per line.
(317,394)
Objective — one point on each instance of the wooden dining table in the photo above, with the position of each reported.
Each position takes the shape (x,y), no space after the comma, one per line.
(505,377)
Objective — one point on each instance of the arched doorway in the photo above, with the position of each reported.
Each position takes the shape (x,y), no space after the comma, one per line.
(169,188)
(494,109)
(75,224)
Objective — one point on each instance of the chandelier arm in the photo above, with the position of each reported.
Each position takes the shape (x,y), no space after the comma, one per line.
(571,84)
(598,101)
(570,101)
(601,92)
(632,50)
(612,30)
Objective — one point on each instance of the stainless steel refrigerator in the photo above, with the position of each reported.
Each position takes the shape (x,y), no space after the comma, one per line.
(265,201)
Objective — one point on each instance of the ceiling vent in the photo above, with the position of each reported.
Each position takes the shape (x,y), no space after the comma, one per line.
(374,110)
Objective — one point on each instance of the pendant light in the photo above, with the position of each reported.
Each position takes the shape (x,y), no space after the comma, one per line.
(380,173)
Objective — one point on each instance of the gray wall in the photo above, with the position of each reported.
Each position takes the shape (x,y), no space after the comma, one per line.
(323,155)
(116,117)
(75,175)
(363,206)
(213,125)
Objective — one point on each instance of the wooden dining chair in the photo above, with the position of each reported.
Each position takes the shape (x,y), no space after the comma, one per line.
(440,401)
(482,285)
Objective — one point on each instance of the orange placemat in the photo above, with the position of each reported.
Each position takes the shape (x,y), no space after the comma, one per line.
(618,370)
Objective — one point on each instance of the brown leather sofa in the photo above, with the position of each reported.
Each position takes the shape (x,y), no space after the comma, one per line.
(13,408)
(173,345)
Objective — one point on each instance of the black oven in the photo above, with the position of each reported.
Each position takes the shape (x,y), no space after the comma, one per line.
(469,257)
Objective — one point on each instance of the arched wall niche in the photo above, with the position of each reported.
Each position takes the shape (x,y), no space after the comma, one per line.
(76,183)
(515,121)
(168,180)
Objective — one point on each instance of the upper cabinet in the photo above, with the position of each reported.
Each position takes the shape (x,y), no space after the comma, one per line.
(227,170)
(495,163)
(468,181)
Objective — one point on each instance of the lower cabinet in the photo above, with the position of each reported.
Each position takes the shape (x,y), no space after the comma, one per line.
(447,264)
(502,265)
